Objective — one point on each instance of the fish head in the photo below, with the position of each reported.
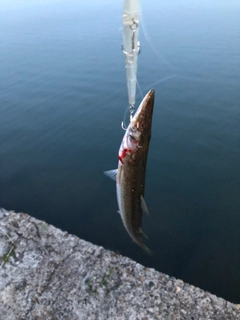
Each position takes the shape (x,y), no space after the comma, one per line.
(137,136)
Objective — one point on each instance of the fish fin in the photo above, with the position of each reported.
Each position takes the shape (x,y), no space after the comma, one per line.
(146,249)
(112,174)
(118,211)
(144,205)
(144,234)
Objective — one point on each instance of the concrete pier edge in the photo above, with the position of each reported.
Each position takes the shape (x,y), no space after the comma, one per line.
(46,273)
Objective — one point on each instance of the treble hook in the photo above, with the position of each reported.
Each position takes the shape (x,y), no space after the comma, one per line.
(122,125)
(131,111)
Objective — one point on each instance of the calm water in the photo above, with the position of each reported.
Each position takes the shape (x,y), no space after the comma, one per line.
(62,98)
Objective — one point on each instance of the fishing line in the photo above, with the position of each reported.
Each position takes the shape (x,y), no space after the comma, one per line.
(124,124)
(139,88)
(154,49)
(163,59)
(148,87)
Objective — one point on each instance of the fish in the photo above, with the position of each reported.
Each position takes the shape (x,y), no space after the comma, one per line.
(131,172)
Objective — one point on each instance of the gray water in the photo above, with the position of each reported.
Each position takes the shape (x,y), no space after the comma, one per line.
(63,96)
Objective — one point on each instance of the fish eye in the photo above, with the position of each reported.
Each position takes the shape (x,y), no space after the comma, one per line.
(132,132)
(132,137)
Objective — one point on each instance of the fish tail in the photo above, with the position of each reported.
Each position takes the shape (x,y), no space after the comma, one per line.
(146,249)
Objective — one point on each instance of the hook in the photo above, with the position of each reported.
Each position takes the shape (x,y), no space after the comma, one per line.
(131,111)
(123,127)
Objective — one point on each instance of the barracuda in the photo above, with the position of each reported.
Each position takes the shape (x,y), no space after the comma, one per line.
(130,175)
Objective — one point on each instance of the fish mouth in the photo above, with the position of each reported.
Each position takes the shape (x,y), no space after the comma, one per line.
(143,117)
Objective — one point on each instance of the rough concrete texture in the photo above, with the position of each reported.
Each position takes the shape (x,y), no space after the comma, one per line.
(46,273)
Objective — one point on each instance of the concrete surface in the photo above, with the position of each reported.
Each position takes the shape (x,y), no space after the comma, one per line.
(46,273)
